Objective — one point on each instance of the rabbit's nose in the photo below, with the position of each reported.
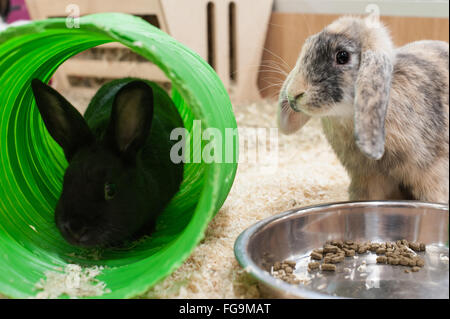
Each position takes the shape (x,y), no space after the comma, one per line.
(294,99)
(299,96)
(75,229)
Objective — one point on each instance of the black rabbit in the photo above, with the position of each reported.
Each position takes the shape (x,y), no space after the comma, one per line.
(120,176)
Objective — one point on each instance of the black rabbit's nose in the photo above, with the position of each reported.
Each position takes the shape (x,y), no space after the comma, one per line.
(75,229)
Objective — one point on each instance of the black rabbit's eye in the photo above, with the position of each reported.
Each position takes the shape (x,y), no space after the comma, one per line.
(342,57)
(110,191)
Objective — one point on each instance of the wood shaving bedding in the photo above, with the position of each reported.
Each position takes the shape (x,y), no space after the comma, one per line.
(308,173)
(74,282)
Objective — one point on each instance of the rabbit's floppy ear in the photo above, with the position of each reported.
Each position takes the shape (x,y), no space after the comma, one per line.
(372,89)
(372,86)
(131,117)
(64,123)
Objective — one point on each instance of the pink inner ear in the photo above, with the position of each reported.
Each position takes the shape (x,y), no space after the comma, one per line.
(128,125)
(290,121)
(127,133)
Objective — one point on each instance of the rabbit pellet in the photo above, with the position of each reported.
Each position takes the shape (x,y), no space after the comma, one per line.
(313,265)
(285,271)
(334,252)
(316,255)
(328,267)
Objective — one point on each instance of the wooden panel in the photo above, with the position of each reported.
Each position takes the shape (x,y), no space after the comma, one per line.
(236,64)
(398,8)
(41,9)
(189,31)
(251,30)
(251,18)
(112,69)
(288,31)
(405,30)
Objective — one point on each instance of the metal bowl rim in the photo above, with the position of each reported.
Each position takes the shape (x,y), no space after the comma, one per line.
(241,243)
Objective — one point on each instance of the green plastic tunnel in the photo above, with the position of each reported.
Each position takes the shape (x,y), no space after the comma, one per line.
(32,164)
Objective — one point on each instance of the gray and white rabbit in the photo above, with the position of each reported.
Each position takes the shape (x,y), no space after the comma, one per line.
(384,110)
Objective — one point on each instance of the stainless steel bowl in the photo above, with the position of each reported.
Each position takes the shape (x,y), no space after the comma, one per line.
(292,235)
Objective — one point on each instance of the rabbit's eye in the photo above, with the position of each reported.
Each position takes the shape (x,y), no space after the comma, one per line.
(342,57)
(110,191)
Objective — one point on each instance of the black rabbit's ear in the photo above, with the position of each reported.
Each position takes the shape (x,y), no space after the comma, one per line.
(4,8)
(131,117)
(64,123)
